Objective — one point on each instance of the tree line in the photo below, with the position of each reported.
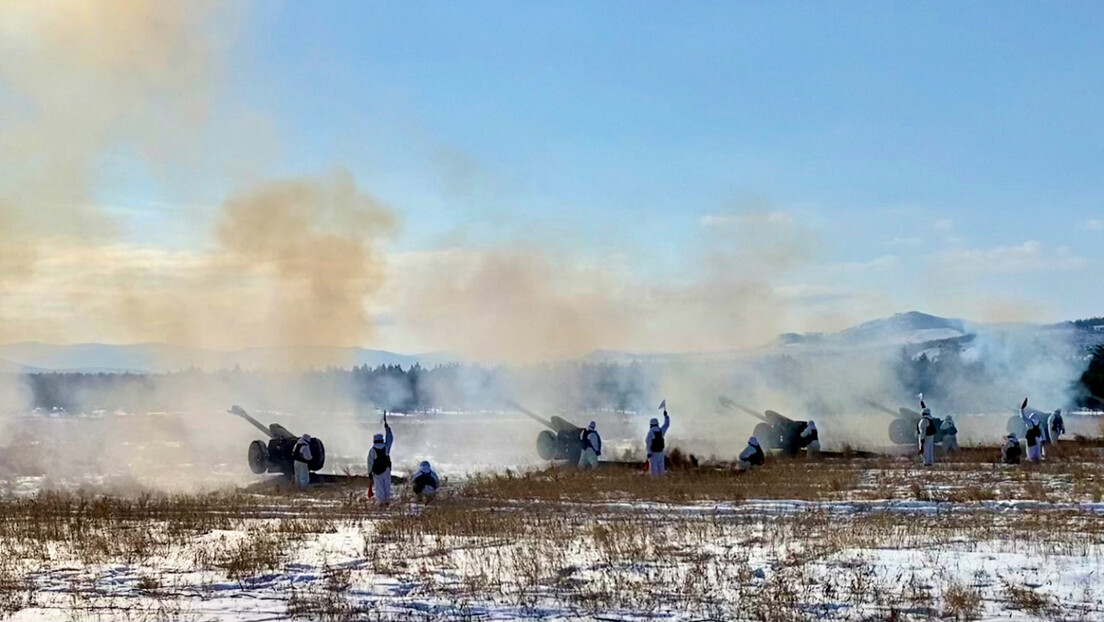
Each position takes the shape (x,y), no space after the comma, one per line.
(447,387)
(567,387)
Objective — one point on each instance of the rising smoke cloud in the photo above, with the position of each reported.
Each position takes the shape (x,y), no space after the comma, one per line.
(80,79)
(535,304)
(291,261)
(318,240)
(83,81)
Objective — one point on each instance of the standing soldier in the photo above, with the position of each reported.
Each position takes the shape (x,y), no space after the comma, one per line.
(1055,429)
(301,454)
(925,434)
(656,444)
(950,435)
(592,447)
(379,464)
(1034,433)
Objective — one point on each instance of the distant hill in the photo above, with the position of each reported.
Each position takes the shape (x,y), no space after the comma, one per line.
(905,328)
(7,367)
(919,332)
(154,357)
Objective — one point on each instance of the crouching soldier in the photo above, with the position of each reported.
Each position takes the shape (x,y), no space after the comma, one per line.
(812,437)
(1034,433)
(655,443)
(379,465)
(925,435)
(592,447)
(302,455)
(950,435)
(1011,451)
(426,482)
(751,456)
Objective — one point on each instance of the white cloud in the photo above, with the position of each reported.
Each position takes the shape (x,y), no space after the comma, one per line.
(906,241)
(1093,224)
(885,263)
(730,220)
(944,224)
(1030,256)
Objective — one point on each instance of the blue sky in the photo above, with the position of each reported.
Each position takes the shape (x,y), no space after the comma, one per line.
(909,139)
(879,119)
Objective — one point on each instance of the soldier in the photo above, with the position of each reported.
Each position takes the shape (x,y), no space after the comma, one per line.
(426,482)
(1055,428)
(592,447)
(950,435)
(301,454)
(379,465)
(810,434)
(1034,433)
(752,455)
(925,434)
(1010,452)
(656,444)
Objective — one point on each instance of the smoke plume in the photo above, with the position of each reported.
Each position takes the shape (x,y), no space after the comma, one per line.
(535,304)
(318,240)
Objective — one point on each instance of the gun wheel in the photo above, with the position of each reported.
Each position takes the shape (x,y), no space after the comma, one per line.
(546,445)
(902,431)
(318,455)
(258,457)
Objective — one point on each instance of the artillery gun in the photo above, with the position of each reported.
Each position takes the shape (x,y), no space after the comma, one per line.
(277,455)
(903,428)
(775,431)
(561,441)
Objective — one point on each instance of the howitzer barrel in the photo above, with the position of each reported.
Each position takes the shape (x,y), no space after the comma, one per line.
(239,411)
(909,413)
(728,403)
(532,415)
(274,430)
(882,407)
(757,415)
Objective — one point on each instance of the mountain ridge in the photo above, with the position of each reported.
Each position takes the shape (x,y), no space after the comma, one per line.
(912,329)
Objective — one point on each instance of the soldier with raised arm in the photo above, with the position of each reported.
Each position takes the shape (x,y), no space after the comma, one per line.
(379,463)
(656,444)
(925,434)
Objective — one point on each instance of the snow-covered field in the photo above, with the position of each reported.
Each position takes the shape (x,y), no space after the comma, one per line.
(156,518)
(842,539)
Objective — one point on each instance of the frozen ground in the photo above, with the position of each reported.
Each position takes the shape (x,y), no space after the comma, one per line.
(88,532)
(789,542)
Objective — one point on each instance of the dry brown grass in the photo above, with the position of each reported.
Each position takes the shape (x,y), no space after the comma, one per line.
(1030,601)
(781,478)
(961,602)
(258,552)
(565,536)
